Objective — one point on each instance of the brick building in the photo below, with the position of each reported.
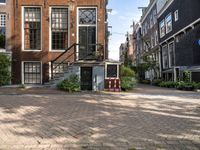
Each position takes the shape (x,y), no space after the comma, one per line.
(52,39)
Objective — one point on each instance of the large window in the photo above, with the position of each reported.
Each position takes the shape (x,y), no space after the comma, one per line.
(162,28)
(87,33)
(168,21)
(59,28)
(171,54)
(32,28)
(2,30)
(32,73)
(165,57)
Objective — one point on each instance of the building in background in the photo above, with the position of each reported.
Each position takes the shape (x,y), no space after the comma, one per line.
(149,50)
(179,33)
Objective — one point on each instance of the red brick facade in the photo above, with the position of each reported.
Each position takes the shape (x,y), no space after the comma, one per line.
(46,56)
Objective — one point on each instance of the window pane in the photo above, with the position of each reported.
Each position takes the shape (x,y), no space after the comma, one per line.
(87,16)
(59,26)
(32,72)
(32,28)
(112,71)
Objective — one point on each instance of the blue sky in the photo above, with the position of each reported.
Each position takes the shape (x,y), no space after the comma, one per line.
(121,18)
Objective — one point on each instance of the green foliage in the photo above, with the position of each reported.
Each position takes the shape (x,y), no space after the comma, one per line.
(128,72)
(187,76)
(128,83)
(186,85)
(128,78)
(168,84)
(156,82)
(4,69)
(71,84)
(146,81)
(198,85)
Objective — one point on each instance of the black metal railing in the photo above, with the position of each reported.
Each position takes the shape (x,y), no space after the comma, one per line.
(96,54)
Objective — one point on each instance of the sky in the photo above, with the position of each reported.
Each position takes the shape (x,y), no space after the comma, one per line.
(124,12)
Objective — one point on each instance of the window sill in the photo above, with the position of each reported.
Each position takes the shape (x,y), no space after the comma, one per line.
(57,51)
(31,50)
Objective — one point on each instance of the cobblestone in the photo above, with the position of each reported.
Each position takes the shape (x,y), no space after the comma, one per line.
(148,118)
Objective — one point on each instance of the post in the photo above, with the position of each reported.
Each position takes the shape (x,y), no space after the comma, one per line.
(51,69)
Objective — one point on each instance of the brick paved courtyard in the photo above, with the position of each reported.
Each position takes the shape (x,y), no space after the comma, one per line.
(148,118)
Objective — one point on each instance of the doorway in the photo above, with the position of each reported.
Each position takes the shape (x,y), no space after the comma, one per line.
(86,78)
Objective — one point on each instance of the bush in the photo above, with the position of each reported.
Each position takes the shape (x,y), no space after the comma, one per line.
(146,81)
(128,78)
(198,85)
(188,86)
(127,72)
(156,82)
(5,63)
(71,84)
(128,83)
(168,84)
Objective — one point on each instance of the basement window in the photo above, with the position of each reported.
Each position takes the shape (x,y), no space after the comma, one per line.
(32,72)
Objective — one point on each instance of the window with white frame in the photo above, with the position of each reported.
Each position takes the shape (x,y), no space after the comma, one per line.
(32,72)
(168,23)
(156,37)
(2,2)
(176,15)
(155,16)
(165,56)
(2,23)
(171,54)
(162,28)
(32,28)
(112,71)
(87,28)
(59,28)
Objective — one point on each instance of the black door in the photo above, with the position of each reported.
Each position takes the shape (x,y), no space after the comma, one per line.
(86,78)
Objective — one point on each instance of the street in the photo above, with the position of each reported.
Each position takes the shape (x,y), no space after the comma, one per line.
(148,118)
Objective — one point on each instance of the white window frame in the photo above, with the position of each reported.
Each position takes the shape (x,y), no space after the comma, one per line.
(2,14)
(23,38)
(166,30)
(78,25)
(3,3)
(22,70)
(50,31)
(176,15)
(106,66)
(165,46)
(160,28)
(169,57)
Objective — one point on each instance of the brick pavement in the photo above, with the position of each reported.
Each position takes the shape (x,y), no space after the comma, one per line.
(148,118)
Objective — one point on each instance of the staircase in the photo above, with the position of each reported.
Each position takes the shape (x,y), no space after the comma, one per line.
(62,68)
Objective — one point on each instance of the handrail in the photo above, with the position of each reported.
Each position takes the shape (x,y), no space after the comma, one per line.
(74,53)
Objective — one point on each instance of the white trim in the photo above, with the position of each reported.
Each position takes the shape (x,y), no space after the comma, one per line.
(165,7)
(50,32)
(117,64)
(78,25)
(170,14)
(163,64)
(161,36)
(22,13)
(149,9)
(170,66)
(182,30)
(176,15)
(22,70)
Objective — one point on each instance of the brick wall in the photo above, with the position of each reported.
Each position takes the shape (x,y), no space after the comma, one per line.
(45,56)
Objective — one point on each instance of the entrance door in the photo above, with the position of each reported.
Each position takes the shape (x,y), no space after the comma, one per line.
(86,78)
